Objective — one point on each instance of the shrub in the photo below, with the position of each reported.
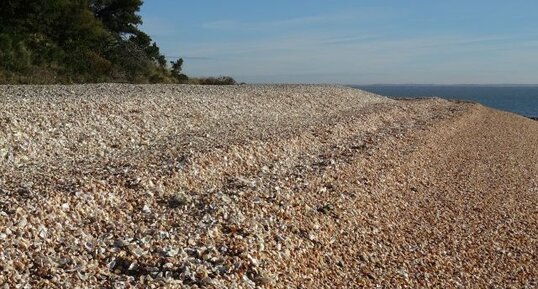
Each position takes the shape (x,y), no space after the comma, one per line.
(221,80)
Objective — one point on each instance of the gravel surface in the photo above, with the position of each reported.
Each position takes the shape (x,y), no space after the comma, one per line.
(275,186)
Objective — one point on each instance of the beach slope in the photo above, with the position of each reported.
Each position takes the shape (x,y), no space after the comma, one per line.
(275,186)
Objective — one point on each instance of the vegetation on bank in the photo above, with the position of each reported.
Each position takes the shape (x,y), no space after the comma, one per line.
(79,41)
(222,80)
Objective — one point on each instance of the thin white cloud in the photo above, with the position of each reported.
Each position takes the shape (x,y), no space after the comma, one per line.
(260,25)
(349,39)
(221,25)
(488,40)
(337,17)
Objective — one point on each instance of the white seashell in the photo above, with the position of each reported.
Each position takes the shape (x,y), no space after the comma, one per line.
(170,252)
(137,251)
(164,234)
(133,266)
(146,209)
(111,265)
(253,260)
(22,223)
(42,231)
(82,276)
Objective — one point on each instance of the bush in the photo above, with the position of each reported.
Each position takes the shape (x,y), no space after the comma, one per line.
(222,80)
(99,66)
(161,76)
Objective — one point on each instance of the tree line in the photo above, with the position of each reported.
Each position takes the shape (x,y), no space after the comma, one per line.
(78,41)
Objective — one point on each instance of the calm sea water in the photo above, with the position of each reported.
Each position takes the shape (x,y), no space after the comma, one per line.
(519,99)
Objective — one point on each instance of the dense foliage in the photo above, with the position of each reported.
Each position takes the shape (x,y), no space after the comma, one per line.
(51,41)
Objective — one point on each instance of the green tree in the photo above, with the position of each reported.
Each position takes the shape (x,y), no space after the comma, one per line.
(77,40)
(119,16)
(177,67)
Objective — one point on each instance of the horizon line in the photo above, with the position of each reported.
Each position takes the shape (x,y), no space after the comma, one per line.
(446,84)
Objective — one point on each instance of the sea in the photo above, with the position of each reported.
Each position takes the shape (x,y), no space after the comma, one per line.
(520,99)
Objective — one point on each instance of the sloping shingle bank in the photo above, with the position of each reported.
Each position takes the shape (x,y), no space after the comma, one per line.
(271,186)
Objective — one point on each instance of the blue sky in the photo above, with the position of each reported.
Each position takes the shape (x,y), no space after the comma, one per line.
(350,42)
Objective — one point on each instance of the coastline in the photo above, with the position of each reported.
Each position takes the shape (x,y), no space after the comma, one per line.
(263,185)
